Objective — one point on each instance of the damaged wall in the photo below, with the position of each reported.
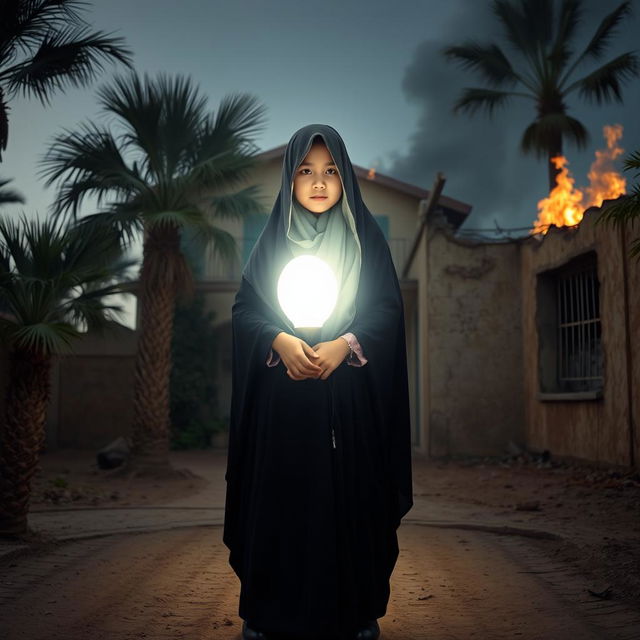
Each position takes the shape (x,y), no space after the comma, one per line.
(598,429)
(474,354)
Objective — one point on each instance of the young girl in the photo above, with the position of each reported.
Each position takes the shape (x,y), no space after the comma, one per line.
(319,461)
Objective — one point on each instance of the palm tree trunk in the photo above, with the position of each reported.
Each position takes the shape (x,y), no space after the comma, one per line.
(22,438)
(555,149)
(151,421)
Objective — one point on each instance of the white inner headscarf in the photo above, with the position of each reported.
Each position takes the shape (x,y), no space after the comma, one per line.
(331,236)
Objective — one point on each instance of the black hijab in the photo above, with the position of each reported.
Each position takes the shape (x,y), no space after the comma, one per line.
(273,250)
(378,323)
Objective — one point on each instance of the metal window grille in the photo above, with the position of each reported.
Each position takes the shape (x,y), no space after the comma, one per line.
(579,331)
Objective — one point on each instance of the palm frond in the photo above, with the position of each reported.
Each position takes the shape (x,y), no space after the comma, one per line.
(568,20)
(90,309)
(625,209)
(46,337)
(235,206)
(632,161)
(124,217)
(44,267)
(541,135)
(16,240)
(189,216)
(69,57)
(184,114)
(606,29)
(489,60)
(216,170)
(44,244)
(473,99)
(4,123)
(138,106)
(538,16)
(92,252)
(27,22)
(515,26)
(9,196)
(223,244)
(604,84)
(92,164)
(240,114)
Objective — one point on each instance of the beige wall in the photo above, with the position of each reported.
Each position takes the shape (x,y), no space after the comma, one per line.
(474,356)
(600,429)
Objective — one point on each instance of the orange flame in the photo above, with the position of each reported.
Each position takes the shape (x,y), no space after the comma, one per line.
(566,203)
(372,174)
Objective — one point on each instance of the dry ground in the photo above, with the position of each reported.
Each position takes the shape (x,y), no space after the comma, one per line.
(599,506)
(177,584)
(602,504)
(448,583)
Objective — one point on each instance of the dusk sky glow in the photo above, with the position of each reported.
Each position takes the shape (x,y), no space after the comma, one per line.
(371,70)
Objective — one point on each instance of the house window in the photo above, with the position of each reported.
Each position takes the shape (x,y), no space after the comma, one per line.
(569,329)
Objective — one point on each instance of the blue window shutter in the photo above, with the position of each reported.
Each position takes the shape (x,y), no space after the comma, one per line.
(253,225)
(383,223)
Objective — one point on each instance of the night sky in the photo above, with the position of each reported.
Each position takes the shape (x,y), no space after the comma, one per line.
(370,69)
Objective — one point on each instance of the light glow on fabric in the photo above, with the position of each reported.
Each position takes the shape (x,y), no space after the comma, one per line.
(307,291)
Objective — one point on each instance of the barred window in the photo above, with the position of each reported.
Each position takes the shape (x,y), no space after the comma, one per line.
(569,327)
(579,334)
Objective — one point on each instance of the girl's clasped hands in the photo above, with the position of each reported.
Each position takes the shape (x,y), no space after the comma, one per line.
(303,361)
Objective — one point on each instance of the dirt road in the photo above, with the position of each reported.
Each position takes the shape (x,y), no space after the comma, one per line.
(448,584)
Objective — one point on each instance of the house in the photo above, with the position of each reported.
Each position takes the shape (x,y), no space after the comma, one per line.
(581,341)
(395,206)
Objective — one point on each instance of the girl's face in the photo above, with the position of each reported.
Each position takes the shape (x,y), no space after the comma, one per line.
(317,185)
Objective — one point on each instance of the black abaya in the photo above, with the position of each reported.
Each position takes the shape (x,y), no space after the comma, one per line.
(311,528)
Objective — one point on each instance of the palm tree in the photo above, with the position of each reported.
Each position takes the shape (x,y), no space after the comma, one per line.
(45,44)
(170,153)
(626,208)
(9,196)
(543,41)
(52,279)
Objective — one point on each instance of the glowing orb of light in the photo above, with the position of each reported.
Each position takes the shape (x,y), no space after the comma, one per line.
(307,291)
